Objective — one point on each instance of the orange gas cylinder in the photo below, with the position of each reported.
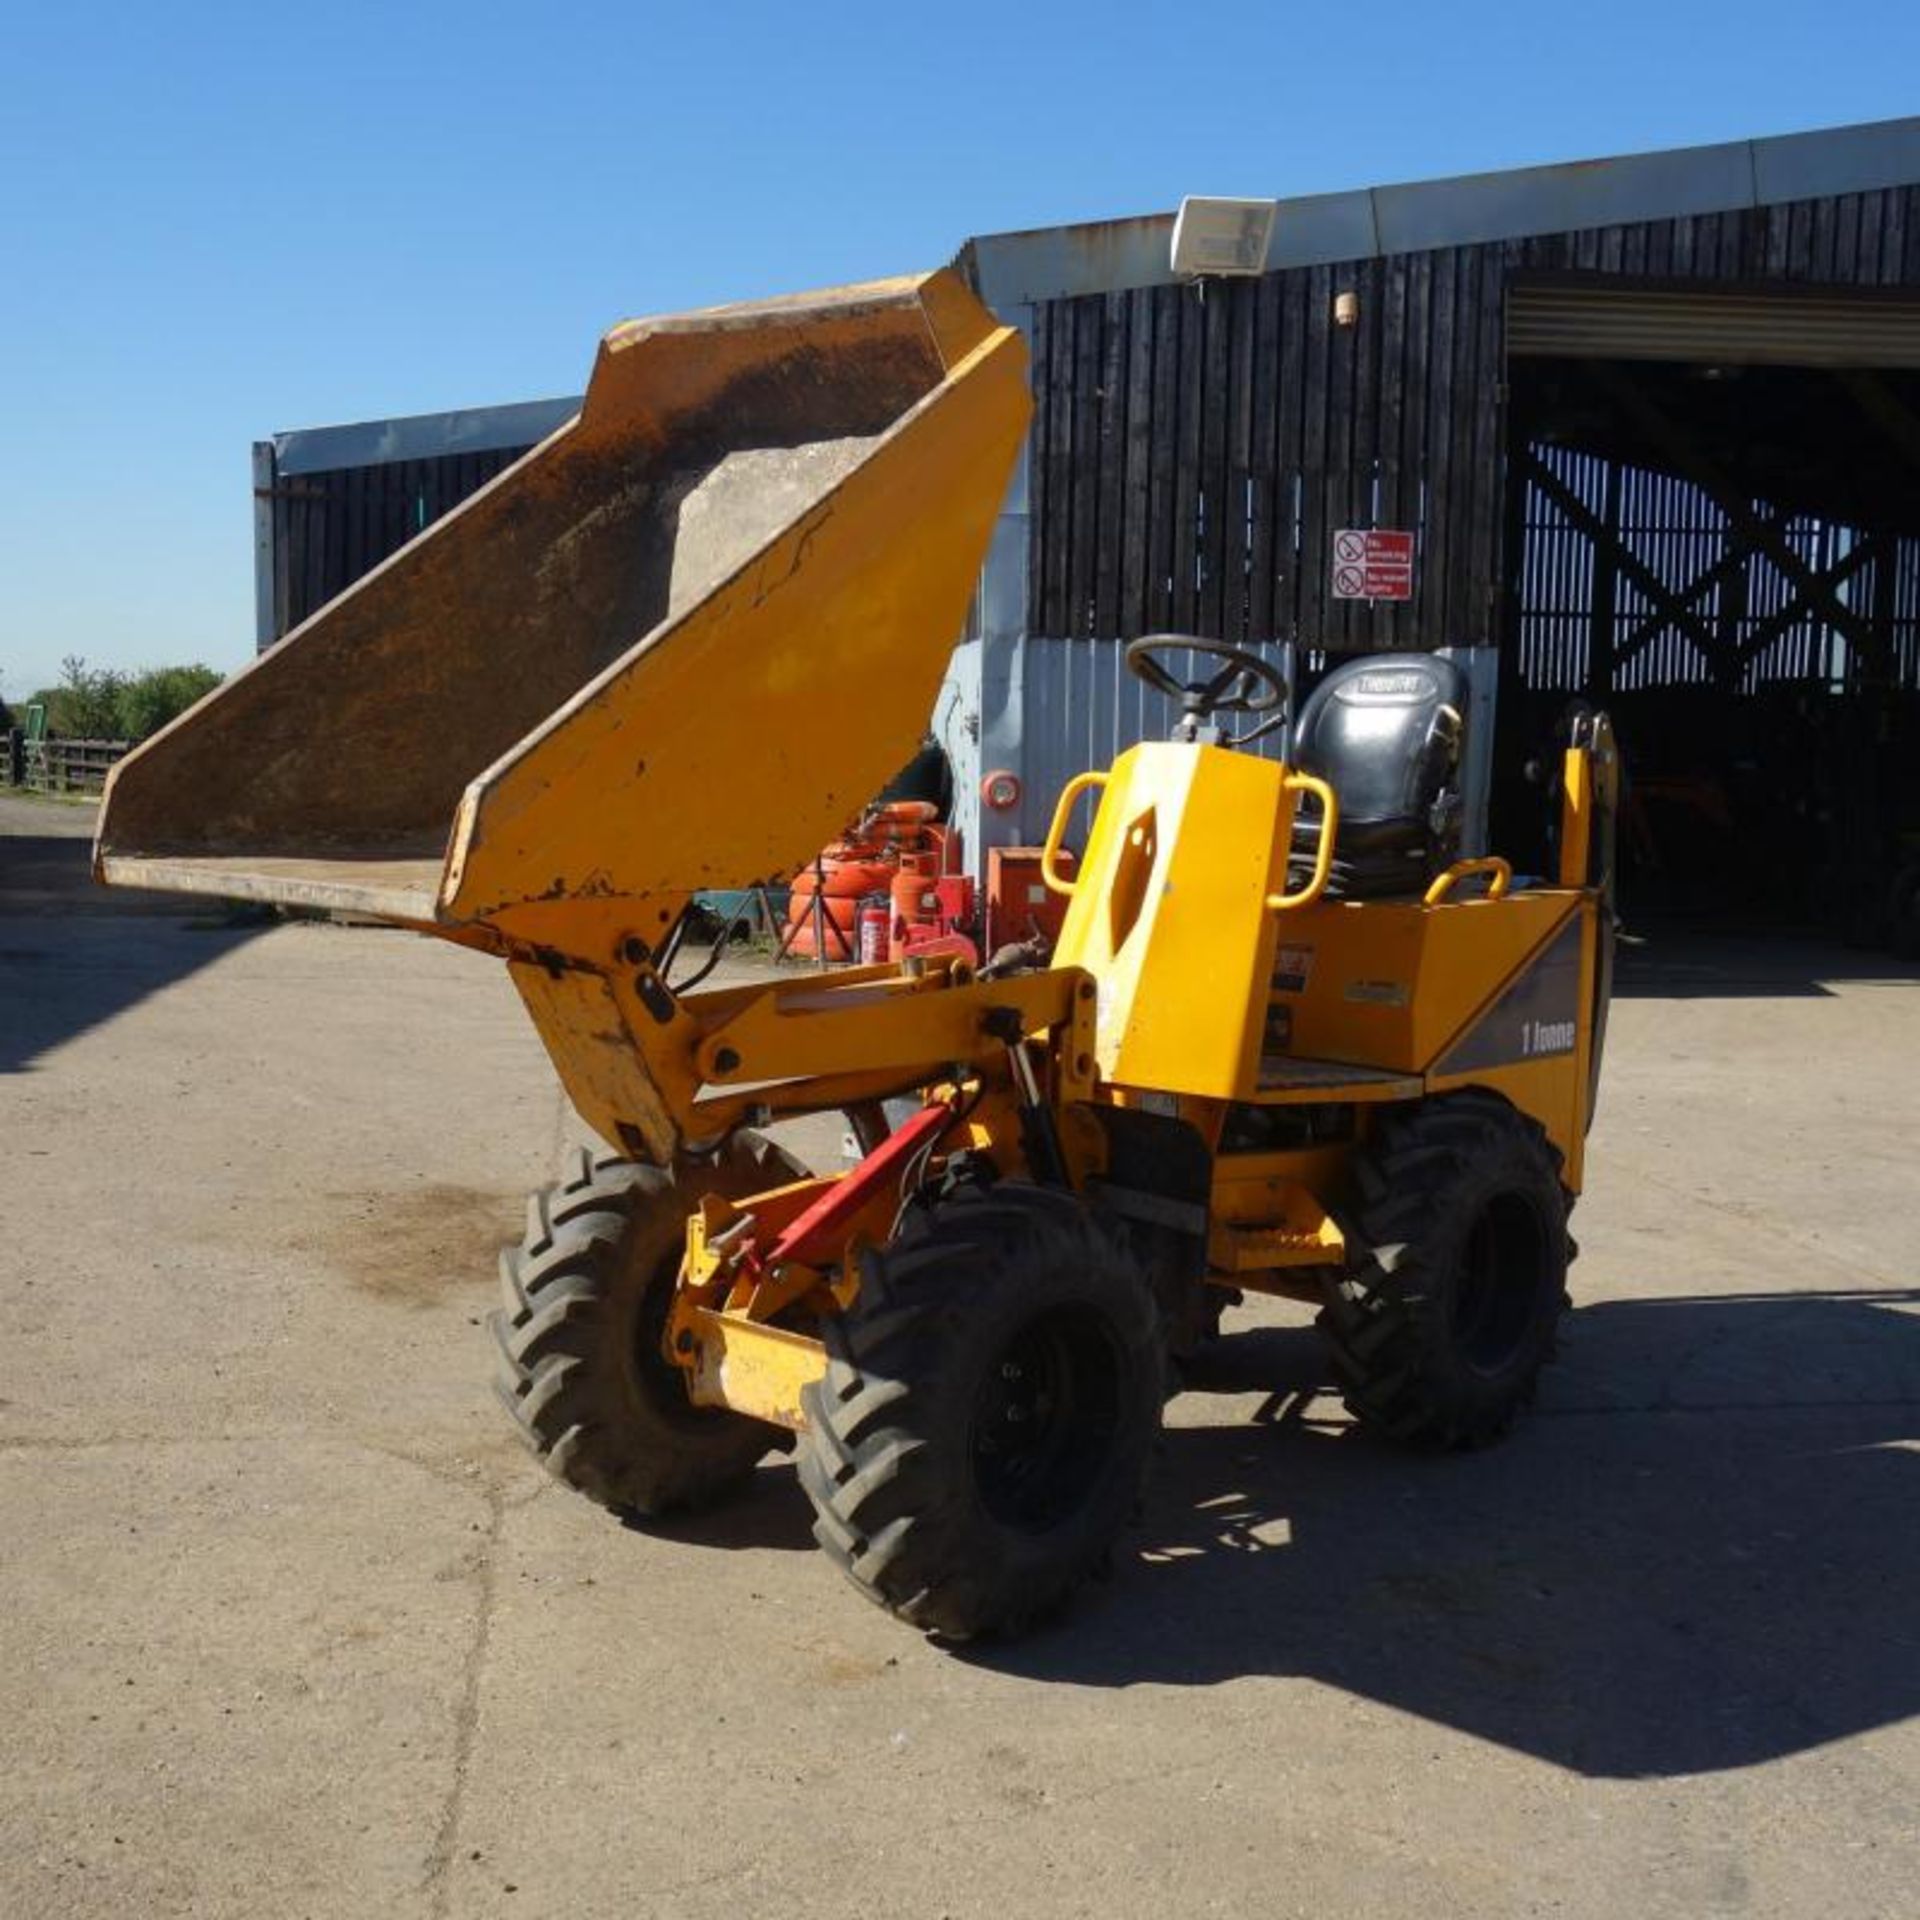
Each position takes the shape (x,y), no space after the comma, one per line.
(842,877)
(915,901)
(925,905)
(905,825)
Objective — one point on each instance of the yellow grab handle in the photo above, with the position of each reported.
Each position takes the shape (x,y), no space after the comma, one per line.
(1079,784)
(1489,863)
(1323,857)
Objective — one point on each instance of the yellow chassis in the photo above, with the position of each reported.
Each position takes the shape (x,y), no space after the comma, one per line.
(1404,1001)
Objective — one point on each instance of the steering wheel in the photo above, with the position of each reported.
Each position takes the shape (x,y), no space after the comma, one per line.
(1246,683)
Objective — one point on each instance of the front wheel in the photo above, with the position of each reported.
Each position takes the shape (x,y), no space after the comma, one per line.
(584,1301)
(990,1404)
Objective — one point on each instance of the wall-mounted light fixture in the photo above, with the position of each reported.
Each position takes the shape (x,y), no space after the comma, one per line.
(1346,309)
(1212,236)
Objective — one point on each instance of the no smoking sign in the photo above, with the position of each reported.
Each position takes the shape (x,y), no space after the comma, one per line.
(1372,563)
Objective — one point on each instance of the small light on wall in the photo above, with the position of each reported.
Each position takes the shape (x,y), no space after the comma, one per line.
(1346,309)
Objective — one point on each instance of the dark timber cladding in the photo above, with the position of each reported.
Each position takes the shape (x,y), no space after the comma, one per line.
(1195,446)
(331,527)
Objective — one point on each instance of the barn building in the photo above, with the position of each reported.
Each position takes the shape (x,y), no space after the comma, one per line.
(1649,430)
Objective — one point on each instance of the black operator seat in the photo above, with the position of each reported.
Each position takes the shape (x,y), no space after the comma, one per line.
(1387,734)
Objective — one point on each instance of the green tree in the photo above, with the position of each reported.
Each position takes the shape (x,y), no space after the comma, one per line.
(96,703)
(149,700)
(86,703)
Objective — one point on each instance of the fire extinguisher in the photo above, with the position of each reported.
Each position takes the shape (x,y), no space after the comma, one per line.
(873,930)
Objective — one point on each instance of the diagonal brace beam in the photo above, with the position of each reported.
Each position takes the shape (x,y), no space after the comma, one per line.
(1690,460)
(1657,590)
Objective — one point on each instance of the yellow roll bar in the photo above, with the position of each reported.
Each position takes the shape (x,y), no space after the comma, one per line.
(1081,783)
(1323,853)
(1443,883)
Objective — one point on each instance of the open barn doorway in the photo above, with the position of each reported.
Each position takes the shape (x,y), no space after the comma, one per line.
(1713,529)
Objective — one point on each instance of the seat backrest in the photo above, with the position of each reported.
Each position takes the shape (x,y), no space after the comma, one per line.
(1386,733)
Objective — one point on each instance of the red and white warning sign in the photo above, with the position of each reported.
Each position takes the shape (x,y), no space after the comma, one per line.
(1372,563)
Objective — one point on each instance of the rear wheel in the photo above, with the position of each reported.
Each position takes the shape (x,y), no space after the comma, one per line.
(989,1407)
(584,1301)
(1443,1322)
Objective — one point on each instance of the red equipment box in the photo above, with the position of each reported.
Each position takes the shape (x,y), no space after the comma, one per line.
(1019,903)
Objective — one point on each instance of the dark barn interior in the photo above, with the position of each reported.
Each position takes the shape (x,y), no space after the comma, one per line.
(1714,531)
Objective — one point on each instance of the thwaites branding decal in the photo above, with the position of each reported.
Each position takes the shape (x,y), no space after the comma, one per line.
(1536,1018)
(1386,687)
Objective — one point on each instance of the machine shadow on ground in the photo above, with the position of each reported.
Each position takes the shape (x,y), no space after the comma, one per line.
(1678,963)
(74,954)
(1697,1555)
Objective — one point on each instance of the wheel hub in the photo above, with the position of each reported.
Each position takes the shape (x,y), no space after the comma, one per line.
(1496,1288)
(1043,1418)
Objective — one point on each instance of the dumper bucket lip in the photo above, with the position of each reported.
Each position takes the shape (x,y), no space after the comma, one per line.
(337,882)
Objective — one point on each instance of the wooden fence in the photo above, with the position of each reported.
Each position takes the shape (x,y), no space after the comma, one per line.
(62,766)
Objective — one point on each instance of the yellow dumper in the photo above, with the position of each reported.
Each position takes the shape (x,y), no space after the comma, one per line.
(1301,1049)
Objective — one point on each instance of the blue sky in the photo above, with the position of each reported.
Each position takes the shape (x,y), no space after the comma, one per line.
(220,221)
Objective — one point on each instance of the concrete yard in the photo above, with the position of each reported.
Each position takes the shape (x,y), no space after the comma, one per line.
(292,1627)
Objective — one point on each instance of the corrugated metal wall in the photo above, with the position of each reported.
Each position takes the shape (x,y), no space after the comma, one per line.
(1047,710)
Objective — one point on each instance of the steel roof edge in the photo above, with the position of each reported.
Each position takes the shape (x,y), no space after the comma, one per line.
(419,436)
(1046,263)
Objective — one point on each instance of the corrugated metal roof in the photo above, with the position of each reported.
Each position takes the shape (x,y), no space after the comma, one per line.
(1012,269)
